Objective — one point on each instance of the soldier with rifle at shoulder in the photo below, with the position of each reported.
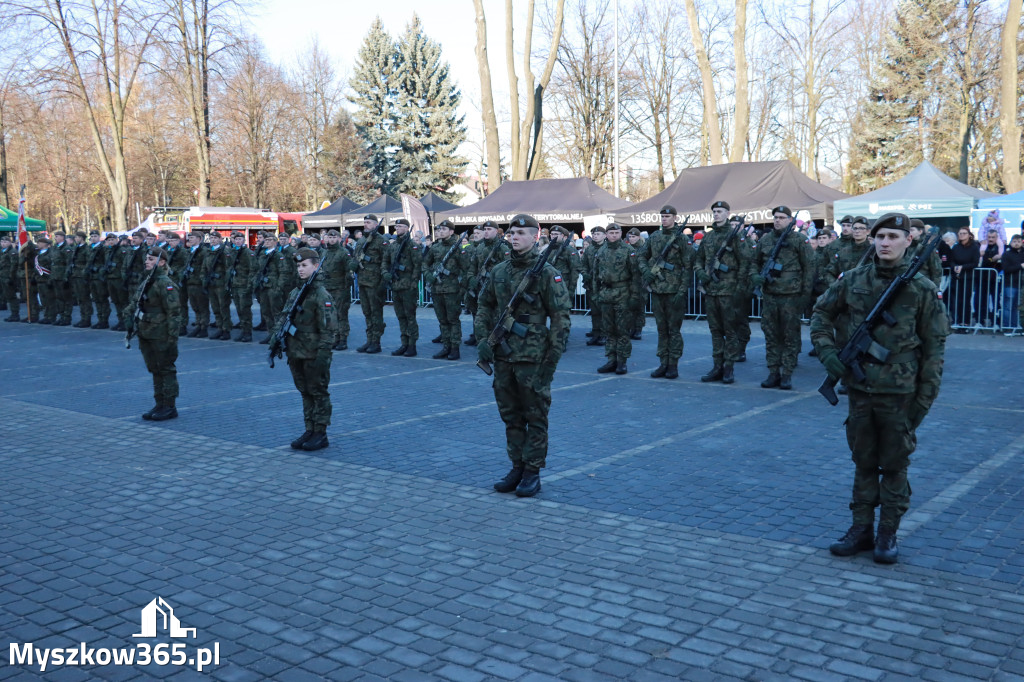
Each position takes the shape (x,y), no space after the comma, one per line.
(443,270)
(482,257)
(401,271)
(215,275)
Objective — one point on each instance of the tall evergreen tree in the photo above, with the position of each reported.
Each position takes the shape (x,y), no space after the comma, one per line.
(374,85)
(428,129)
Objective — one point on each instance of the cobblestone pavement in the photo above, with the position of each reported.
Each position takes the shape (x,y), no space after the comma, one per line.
(681,533)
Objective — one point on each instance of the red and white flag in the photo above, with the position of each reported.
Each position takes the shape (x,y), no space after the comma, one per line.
(22,231)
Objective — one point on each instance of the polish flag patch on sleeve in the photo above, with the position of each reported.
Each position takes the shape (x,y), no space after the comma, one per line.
(327,304)
(558,278)
(170,288)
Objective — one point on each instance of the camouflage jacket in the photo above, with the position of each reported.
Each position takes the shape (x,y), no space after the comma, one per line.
(60,259)
(96,255)
(680,257)
(477,263)
(932,269)
(79,260)
(568,264)
(160,307)
(588,267)
(616,272)
(409,255)
(542,343)
(8,263)
(286,273)
(315,323)
(917,341)
(192,269)
(239,268)
(367,259)
(458,265)
(113,260)
(44,261)
(798,265)
(263,268)
(176,263)
(846,257)
(133,264)
(216,264)
(738,257)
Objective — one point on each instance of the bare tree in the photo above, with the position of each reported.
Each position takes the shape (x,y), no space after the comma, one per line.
(319,94)
(1009,95)
(490,121)
(741,124)
(711,124)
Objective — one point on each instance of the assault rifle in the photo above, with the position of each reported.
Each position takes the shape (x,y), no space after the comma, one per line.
(132,322)
(131,263)
(213,269)
(717,265)
(483,274)
(112,259)
(861,343)
(507,323)
(659,262)
(396,265)
(440,271)
(287,327)
(772,266)
(261,277)
(187,270)
(231,271)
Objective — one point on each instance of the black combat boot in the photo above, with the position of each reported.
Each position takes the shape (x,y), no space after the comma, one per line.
(661,371)
(886,549)
(341,345)
(400,350)
(530,485)
(297,443)
(786,382)
(742,356)
(714,375)
(224,335)
(727,374)
(607,367)
(195,332)
(13,317)
(236,325)
(265,341)
(842,389)
(245,338)
(635,336)
(45,321)
(453,353)
(673,370)
(772,381)
(164,413)
(372,348)
(620,367)
(83,324)
(149,415)
(441,354)
(590,334)
(362,348)
(101,324)
(595,341)
(437,339)
(318,441)
(471,341)
(261,327)
(813,353)
(511,480)
(860,538)
(410,352)
(215,335)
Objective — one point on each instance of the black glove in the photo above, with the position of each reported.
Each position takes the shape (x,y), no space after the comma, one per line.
(703,276)
(484,352)
(916,414)
(323,360)
(832,363)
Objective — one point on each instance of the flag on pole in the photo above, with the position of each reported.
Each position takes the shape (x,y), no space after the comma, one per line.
(22,231)
(416,214)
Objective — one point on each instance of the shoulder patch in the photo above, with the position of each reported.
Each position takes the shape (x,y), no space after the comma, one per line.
(558,278)
(170,288)
(327,304)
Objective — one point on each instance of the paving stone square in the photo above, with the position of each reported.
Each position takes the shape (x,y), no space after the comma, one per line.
(681,533)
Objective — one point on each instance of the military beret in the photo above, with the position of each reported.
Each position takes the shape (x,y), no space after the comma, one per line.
(94,232)
(371,216)
(669,210)
(215,233)
(783,209)
(80,234)
(891,221)
(737,218)
(633,233)
(110,235)
(333,233)
(313,235)
(721,204)
(918,223)
(861,220)
(614,226)
(173,236)
(524,220)
(846,219)
(236,233)
(490,223)
(306,254)
(197,235)
(447,224)
(60,232)
(142,231)
(402,221)
(597,229)
(158,252)
(4,237)
(44,239)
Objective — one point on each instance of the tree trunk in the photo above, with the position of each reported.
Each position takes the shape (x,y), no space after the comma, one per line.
(513,80)
(194,43)
(742,122)
(1013,179)
(711,123)
(531,118)
(490,122)
(3,163)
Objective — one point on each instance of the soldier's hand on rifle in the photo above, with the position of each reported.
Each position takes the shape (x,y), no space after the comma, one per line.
(428,277)
(915,414)
(387,278)
(703,276)
(757,280)
(830,359)
(484,352)
(546,372)
(323,360)
(679,300)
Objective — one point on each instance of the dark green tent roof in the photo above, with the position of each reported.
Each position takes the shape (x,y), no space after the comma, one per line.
(9,222)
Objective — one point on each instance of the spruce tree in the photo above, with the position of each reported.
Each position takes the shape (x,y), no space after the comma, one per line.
(427,128)
(374,85)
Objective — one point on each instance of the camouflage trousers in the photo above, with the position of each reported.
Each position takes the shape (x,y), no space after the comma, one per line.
(9,293)
(669,319)
(81,287)
(48,294)
(312,383)
(118,297)
(100,299)
(405,302)
(723,323)
(523,403)
(267,313)
(881,443)
(200,303)
(637,308)
(596,318)
(447,308)
(65,299)
(30,296)
(160,356)
(780,322)
(220,305)
(618,319)
(742,304)
(371,298)
(242,298)
(342,298)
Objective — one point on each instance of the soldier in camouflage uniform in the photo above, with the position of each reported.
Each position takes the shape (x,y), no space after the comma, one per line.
(522,377)
(850,252)
(669,283)
(617,275)
(192,282)
(176,259)
(446,289)
(888,406)
(216,265)
(8,277)
(597,237)
(26,263)
(933,268)
(637,304)
(568,262)
(784,297)
(481,258)
(44,265)
(62,291)
(400,270)
(134,263)
(335,276)
(239,283)
(744,294)
(263,265)
(721,294)
(366,262)
(845,236)
(80,279)
(309,351)
(96,266)
(158,304)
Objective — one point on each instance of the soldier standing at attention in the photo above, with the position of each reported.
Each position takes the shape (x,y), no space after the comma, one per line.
(135,261)
(445,289)
(845,236)
(98,279)
(157,327)
(744,294)
(80,280)
(722,289)
(309,351)
(596,333)
(888,406)
(192,280)
(568,263)
(63,257)
(400,270)
(176,259)
(617,275)
(8,278)
(335,276)
(849,252)
(262,262)
(522,377)
(43,263)
(240,279)
(785,297)
(669,282)
(215,271)
(367,260)
(480,260)
(636,305)
(933,268)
